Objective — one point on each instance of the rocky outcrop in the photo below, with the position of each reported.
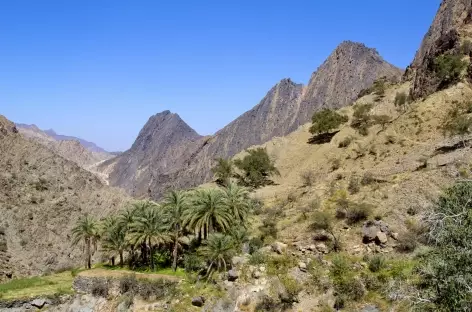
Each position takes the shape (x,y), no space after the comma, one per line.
(168,154)
(42,195)
(449,25)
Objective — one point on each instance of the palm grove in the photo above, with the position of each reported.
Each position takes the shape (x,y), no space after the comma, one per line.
(199,229)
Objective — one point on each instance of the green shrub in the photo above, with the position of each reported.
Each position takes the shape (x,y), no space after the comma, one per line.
(448,68)
(279,264)
(157,289)
(193,263)
(446,271)
(292,289)
(255,244)
(361,118)
(268,229)
(256,168)
(358,212)
(401,100)
(381,120)
(257,258)
(367,178)
(223,171)
(346,284)
(407,242)
(376,263)
(326,120)
(267,304)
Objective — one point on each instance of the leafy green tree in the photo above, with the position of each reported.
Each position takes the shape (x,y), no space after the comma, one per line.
(361,118)
(326,120)
(240,236)
(223,171)
(86,230)
(236,199)
(217,251)
(150,228)
(209,213)
(176,203)
(448,68)
(256,168)
(401,100)
(447,270)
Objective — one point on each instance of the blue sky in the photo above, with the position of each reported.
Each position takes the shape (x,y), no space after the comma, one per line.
(99,69)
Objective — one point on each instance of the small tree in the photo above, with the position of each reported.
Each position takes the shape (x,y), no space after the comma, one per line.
(381,120)
(256,168)
(326,120)
(401,100)
(361,118)
(323,220)
(448,68)
(223,171)
(457,122)
(86,230)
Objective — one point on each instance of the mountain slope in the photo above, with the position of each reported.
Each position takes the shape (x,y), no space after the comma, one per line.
(163,144)
(41,197)
(71,148)
(451,24)
(349,69)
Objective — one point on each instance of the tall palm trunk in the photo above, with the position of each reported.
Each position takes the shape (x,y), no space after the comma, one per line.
(88,253)
(121,258)
(175,251)
(151,260)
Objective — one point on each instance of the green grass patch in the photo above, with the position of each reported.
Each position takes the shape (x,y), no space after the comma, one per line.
(180,272)
(60,283)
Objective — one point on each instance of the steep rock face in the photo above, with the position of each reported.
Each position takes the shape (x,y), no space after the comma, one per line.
(349,69)
(449,24)
(163,145)
(42,195)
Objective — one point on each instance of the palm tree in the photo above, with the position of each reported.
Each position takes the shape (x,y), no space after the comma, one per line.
(125,219)
(86,230)
(106,226)
(114,242)
(236,198)
(218,249)
(138,211)
(223,171)
(150,228)
(240,236)
(176,204)
(209,213)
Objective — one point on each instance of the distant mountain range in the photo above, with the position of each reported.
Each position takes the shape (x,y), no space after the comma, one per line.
(59,137)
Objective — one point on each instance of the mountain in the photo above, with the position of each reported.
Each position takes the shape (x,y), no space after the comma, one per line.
(451,23)
(163,144)
(68,147)
(59,137)
(156,163)
(41,197)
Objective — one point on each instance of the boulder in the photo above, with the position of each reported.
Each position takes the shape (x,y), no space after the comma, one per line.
(312,247)
(279,247)
(382,226)
(394,235)
(302,266)
(321,236)
(198,301)
(38,303)
(381,238)
(256,274)
(232,275)
(239,260)
(369,231)
(322,248)
(370,308)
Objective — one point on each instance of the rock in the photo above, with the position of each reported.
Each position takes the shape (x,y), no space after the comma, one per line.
(302,266)
(38,303)
(322,248)
(369,231)
(256,274)
(198,301)
(382,226)
(237,261)
(381,238)
(279,247)
(232,275)
(394,235)
(312,247)
(370,308)
(321,236)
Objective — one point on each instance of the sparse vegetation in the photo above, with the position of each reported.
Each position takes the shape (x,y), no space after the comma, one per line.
(308,177)
(361,118)
(448,68)
(326,120)
(323,220)
(345,142)
(401,100)
(256,168)
(223,171)
(457,122)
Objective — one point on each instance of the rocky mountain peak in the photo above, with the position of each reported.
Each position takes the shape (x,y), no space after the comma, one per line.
(7,127)
(451,23)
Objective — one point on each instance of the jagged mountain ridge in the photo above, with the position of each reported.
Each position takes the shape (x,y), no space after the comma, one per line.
(42,195)
(337,82)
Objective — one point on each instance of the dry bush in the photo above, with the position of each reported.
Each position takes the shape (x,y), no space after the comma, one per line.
(346,142)
(354,185)
(308,177)
(358,212)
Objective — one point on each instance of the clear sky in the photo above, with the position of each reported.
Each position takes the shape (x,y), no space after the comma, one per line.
(97,69)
